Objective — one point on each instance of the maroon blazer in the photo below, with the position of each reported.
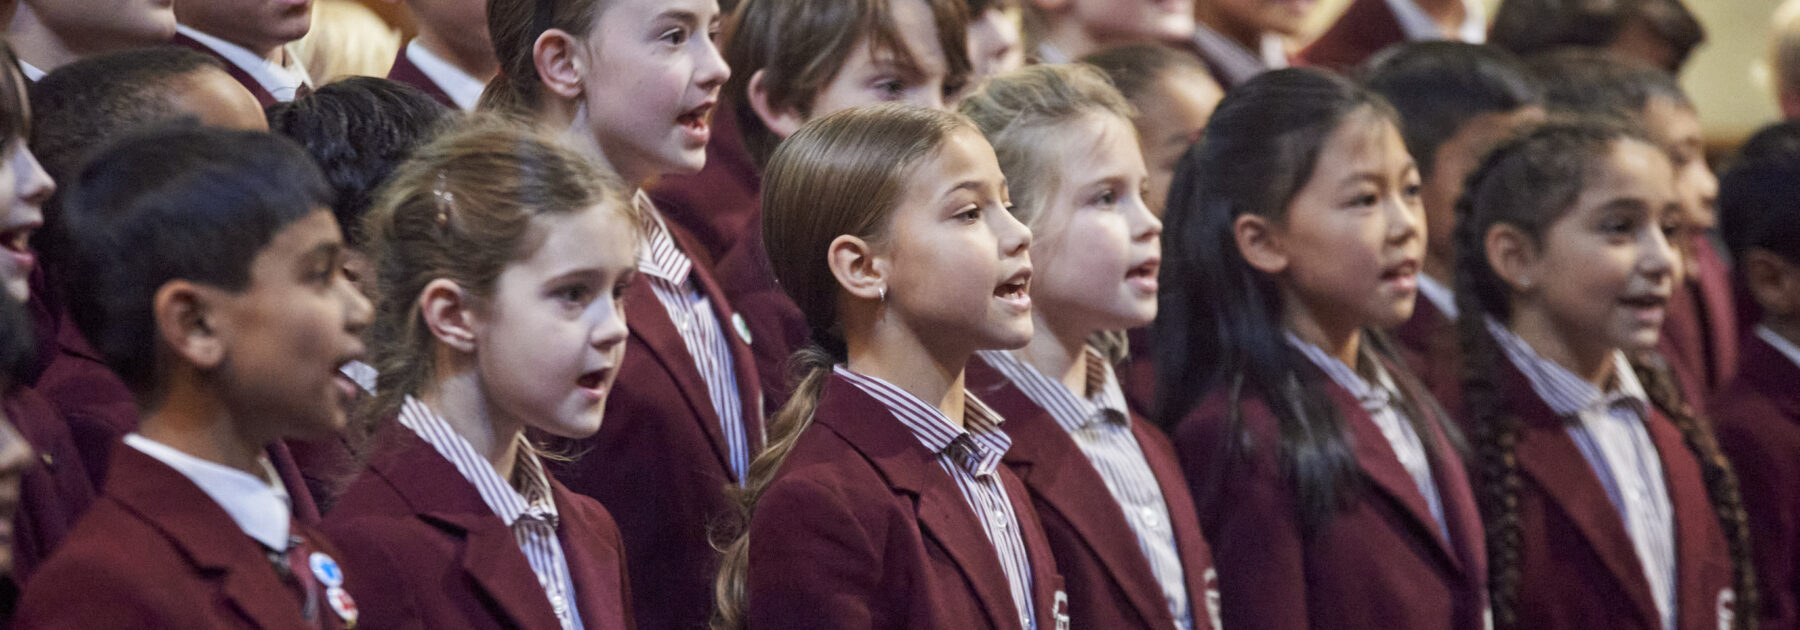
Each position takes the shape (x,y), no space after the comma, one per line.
(776,325)
(1757,417)
(54,490)
(1109,582)
(156,552)
(405,71)
(424,551)
(1700,333)
(1380,563)
(1366,27)
(263,97)
(1578,570)
(659,461)
(95,404)
(861,528)
(1429,344)
(720,205)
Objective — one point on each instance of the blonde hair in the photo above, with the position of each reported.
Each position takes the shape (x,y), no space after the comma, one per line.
(1020,112)
(843,173)
(462,209)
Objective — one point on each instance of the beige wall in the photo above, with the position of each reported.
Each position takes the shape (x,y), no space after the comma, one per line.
(1726,76)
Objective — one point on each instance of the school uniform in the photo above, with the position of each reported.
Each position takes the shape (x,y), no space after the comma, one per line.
(1616,527)
(54,489)
(1230,63)
(1757,418)
(682,424)
(1109,491)
(1428,342)
(96,406)
(269,82)
(181,543)
(439,79)
(435,539)
(1407,553)
(1700,331)
(1137,372)
(872,522)
(1368,26)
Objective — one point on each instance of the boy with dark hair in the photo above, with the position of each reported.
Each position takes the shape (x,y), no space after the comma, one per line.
(1757,415)
(205,267)
(1660,33)
(1456,101)
(1367,27)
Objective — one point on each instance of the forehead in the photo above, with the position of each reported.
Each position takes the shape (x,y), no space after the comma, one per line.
(632,13)
(1097,144)
(1363,141)
(915,26)
(1632,169)
(1670,122)
(965,156)
(598,237)
(300,238)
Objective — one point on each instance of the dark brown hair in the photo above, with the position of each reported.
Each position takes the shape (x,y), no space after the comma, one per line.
(1529,27)
(515,26)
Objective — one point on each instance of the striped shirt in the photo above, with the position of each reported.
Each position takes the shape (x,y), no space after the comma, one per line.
(527,510)
(971,456)
(1608,427)
(1378,399)
(661,260)
(1099,423)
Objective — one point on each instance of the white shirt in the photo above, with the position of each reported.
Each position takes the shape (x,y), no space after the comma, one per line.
(32,73)
(463,88)
(1419,26)
(1239,64)
(260,507)
(281,81)
(1781,344)
(1440,295)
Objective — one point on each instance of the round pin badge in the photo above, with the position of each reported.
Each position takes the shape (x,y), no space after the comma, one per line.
(342,605)
(326,569)
(743,329)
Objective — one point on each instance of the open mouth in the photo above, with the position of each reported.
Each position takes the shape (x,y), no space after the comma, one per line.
(17,239)
(1143,276)
(698,119)
(1403,275)
(1648,301)
(593,380)
(1016,286)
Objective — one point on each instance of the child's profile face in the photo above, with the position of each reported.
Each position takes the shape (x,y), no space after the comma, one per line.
(24,186)
(1170,118)
(995,44)
(1456,158)
(1605,269)
(1284,17)
(1354,234)
(1677,128)
(873,75)
(253,24)
(958,266)
(651,83)
(136,22)
(287,334)
(1097,246)
(1135,20)
(551,337)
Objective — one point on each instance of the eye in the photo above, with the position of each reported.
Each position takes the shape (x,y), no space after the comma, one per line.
(618,290)
(1365,200)
(889,89)
(970,214)
(676,36)
(1107,197)
(573,294)
(1412,191)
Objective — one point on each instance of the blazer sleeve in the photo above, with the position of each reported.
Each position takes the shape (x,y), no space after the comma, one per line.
(1248,519)
(812,564)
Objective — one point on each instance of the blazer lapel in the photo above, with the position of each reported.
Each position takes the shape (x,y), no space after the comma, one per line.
(944,517)
(1769,371)
(1718,311)
(405,71)
(1696,524)
(1196,555)
(1382,466)
(596,570)
(1549,456)
(651,325)
(263,97)
(1051,602)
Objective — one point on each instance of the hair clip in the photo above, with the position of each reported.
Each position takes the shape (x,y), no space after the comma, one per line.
(445,199)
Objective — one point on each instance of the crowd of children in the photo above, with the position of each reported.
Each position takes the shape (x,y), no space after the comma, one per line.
(1011,314)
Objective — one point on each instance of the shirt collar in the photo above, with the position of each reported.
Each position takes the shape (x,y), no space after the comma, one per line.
(1566,393)
(281,81)
(1102,400)
(464,89)
(1781,344)
(531,497)
(658,253)
(32,73)
(977,446)
(260,507)
(1238,63)
(1440,295)
(1373,396)
(1419,26)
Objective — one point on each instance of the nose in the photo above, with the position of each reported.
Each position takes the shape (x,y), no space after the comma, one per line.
(1405,219)
(609,330)
(1658,257)
(712,71)
(1146,226)
(35,185)
(1013,237)
(358,311)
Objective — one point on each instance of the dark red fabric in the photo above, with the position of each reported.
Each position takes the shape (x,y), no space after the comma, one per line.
(405,71)
(1137,373)
(1428,343)
(1757,417)
(1109,582)
(1366,27)
(1700,332)
(425,552)
(721,204)
(263,97)
(54,490)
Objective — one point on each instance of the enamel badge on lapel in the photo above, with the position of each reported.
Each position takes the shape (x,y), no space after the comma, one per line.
(743,329)
(329,574)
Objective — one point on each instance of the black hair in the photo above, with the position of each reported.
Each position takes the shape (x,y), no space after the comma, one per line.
(1759,196)
(18,345)
(1529,183)
(1530,27)
(1135,68)
(81,104)
(174,202)
(1598,83)
(1440,86)
(1219,321)
(357,130)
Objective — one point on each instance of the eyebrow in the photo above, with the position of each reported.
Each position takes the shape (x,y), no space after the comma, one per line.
(686,17)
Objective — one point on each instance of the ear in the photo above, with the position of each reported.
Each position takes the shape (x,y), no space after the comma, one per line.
(854,263)
(1259,243)
(784,121)
(449,314)
(560,64)
(186,321)
(1514,256)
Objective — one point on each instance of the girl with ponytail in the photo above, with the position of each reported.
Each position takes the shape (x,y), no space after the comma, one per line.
(1325,476)
(880,501)
(1606,501)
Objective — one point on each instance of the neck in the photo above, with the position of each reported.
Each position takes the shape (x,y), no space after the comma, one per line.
(1057,352)
(191,420)
(1074,41)
(1440,268)
(890,352)
(570,119)
(39,46)
(461,400)
(1211,17)
(473,58)
(1339,339)
(1591,362)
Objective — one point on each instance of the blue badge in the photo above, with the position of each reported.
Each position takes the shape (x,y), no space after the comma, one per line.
(326,569)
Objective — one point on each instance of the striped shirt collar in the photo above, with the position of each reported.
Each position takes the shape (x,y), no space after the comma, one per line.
(658,254)
(509,503)
(1780,343)
(1373,396)
(1566,393)
(976,447)
(1102,399)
